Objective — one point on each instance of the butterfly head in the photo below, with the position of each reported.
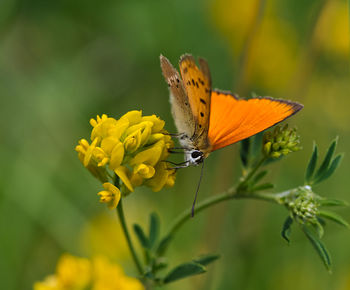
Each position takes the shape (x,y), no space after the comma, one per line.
(195,157)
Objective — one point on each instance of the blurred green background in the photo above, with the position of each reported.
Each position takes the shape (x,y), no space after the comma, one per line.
(63,62)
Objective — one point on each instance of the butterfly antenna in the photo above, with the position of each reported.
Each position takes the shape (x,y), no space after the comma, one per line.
(197,190)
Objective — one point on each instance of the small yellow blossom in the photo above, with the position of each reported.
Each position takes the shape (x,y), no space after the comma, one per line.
(134,148)
(74,273)
(111,195)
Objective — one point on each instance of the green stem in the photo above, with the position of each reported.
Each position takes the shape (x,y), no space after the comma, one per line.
(120,212)
(229,194)
(251,173)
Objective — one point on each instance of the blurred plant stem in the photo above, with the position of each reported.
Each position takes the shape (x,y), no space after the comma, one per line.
(231,193)
(121,216)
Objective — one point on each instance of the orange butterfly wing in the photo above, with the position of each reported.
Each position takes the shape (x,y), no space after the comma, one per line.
(232,119)
(197,83)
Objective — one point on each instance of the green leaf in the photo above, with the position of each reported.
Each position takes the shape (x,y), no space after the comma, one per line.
(206,259)
(163,244)
(332,202)
(319,247)
(153,228)
(286,229)
(141,236)
(327,160)
(183,271)
(312,164)
(334,165)
(334,217)
(263,186)
(160,264)
(318,227)
(244,152)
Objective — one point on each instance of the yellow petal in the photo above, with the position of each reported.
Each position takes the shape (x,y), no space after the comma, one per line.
(118,130)
(133,141)
(102,129)
(133,117)
(158,124)
(88,154)
(160,178)
(108,143)
(144,127)
(123,173)
(117,156)
(144,170)
(150,156)
(155,138)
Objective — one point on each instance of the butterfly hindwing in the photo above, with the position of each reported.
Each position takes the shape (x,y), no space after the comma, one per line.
(233,119)
(197,83)
(180,106)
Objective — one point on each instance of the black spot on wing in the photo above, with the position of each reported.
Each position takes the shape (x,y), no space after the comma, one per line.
(202,101)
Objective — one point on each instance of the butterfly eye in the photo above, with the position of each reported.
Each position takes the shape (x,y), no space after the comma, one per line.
(196,154)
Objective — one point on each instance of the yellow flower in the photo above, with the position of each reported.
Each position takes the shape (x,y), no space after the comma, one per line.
(74,273)
(50,283)
(111,195)
(133,148)
(110,276)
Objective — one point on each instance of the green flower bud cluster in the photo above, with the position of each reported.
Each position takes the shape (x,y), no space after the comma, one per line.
(280,142)
(302,204)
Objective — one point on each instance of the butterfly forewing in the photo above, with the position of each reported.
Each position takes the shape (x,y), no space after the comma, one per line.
(233,119)
(180,106)
(197,83)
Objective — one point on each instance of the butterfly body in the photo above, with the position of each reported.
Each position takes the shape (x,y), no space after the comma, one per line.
(208,119)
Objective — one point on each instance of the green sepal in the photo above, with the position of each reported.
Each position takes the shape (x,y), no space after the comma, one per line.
(319,247)
(163,244)
(311,165)
(206,259)
(141,236)
(334,165)
(286,229)
(333,217)
(332,202)
(154,227)
(183,271)
(327,160)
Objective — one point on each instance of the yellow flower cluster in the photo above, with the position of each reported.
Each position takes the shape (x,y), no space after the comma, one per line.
(74,273)
(134,148)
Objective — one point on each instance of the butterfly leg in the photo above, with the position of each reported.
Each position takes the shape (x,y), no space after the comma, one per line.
(177,165)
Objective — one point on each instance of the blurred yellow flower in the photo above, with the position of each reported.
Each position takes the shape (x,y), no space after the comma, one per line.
(71,273)
(74,273)
(108,276)
(102,236)
(332,29)
(134,148)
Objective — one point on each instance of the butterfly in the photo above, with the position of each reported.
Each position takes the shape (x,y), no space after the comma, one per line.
(208,119)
